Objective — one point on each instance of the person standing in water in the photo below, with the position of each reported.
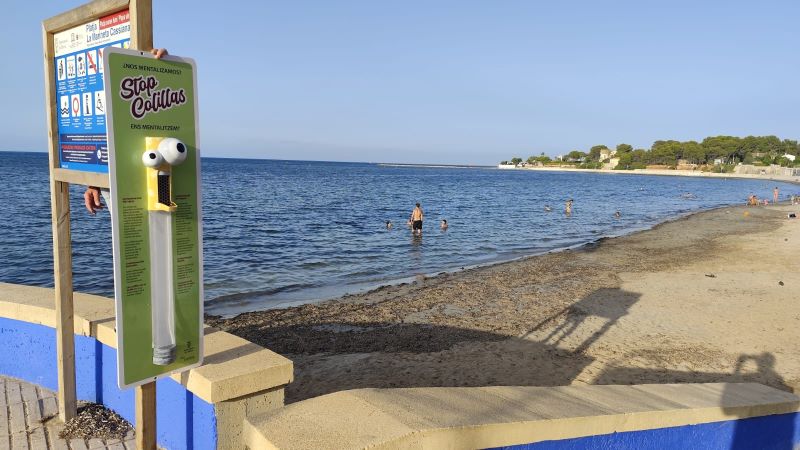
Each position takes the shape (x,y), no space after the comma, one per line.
(775,195)
(416,220)
(568,207)
(443,225)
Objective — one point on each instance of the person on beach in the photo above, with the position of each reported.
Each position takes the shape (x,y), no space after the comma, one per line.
(443,225)
(775,195)
(568,207)
(416,220)
(91,197)
(389,225)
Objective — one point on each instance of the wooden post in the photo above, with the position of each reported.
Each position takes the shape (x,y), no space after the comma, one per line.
(62,253)
(141,24)
(142,39)
(146,416)
(141,20)
(65,326)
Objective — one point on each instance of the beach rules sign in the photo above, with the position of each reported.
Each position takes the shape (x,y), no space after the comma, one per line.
(79,89)
(154,171)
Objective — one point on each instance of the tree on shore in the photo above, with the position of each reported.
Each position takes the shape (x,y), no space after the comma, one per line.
(624,148)
(759,150)
(594,152)
(576,155)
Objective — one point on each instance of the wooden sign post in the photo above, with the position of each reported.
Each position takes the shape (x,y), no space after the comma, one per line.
(73,43)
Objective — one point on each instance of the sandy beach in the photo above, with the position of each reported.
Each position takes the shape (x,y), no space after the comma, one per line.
(707,298)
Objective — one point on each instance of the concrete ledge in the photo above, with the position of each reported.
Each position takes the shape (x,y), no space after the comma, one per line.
(233,367)
(204,408)
(504,416)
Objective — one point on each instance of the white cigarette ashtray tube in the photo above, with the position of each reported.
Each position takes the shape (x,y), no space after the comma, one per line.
(160,156)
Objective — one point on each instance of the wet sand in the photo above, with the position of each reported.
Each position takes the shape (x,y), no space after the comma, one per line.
(706,298)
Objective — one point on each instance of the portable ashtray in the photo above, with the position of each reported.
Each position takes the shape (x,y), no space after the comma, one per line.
(160,156)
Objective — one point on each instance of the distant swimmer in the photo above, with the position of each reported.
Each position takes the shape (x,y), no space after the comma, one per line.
(568,207)
(547,208)
(617,215)
(443,225)
(389,225)
(416,219)
(688,195)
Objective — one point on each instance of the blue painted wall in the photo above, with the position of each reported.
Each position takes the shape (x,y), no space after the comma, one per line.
(185,421)
(777,432)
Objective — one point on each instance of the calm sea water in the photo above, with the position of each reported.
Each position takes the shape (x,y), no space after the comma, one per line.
(286,232)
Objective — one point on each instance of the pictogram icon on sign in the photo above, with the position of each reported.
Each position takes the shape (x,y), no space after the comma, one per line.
(91,61)
(81,65)
(87,103)
(76,105)
(64,109)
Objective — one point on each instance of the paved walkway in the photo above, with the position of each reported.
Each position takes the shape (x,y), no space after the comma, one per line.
(24,410)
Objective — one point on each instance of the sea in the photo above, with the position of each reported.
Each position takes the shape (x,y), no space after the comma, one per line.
(281,233)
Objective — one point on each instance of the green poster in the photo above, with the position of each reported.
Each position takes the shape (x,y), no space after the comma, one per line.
(154,167)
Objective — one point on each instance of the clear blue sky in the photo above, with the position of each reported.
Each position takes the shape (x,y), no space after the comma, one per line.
(452,81)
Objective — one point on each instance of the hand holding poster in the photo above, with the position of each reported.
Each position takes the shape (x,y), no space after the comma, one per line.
(154,170)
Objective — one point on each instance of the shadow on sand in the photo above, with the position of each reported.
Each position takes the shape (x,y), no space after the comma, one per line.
(331,356)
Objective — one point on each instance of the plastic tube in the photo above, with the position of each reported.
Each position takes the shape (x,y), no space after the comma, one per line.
(162,290)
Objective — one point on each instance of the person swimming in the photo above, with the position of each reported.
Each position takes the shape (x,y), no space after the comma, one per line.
(443,225)
(547,208)
(617,215)
(389,225)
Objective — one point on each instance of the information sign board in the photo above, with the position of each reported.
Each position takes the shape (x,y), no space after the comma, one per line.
(156,218)
(80,96)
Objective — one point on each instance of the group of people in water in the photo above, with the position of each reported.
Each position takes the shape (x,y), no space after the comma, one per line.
(416,217)
(415,221)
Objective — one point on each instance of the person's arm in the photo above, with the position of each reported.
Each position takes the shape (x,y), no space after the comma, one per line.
(91,197)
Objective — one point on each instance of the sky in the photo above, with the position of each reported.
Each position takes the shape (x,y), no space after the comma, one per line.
(458,82)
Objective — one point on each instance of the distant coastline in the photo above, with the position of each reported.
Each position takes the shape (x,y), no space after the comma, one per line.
(437,166)
(668,172)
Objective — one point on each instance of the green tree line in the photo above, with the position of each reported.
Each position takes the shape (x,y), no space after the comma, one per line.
(725,150)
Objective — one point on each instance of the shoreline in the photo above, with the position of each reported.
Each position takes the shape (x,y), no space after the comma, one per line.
(695,299)
(665,172)
(345,291)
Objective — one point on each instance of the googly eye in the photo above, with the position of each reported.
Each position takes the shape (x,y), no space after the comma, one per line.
(152,158)
(174,151)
